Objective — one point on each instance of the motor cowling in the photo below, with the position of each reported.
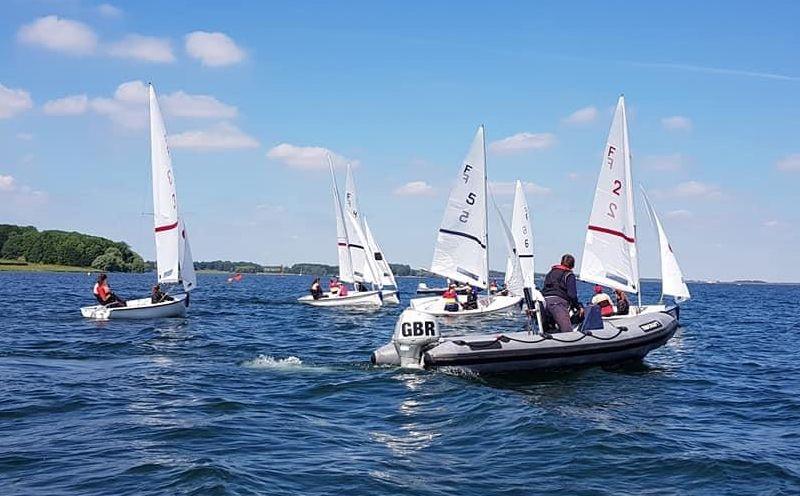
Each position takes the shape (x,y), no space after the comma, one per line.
(413,332)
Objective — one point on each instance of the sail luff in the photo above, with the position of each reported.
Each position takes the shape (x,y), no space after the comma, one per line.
(630,204)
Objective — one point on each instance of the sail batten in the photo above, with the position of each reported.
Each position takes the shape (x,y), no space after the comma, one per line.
(174,262)
(461,244)
(610,252)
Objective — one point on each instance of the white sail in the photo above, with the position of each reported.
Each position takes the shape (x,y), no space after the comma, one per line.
(350,197)
(514,279)
(170,232)
(364,267)
(187,263)
(672,283)
(382,265)
(523,237)
(461,245)
(609,254)
(342,241)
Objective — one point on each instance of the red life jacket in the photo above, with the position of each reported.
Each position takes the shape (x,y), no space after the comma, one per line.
(606,308)
(450,294)
(101,291)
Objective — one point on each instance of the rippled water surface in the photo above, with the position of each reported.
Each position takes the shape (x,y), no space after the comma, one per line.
(255,394)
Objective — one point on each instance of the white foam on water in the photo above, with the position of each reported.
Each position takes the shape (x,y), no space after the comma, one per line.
(268,362)
(288,364)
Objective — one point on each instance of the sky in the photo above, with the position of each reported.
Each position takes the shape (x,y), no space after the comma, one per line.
(255,93)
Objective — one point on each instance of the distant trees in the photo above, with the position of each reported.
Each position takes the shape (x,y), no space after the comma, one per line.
(67,248)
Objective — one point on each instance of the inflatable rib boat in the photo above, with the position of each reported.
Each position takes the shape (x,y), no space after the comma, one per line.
(417,344)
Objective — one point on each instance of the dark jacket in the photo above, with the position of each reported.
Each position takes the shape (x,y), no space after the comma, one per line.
(560,281)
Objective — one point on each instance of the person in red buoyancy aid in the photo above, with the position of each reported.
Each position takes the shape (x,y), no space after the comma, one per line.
(603,301)
(342,289)
(450,297)
(102,292)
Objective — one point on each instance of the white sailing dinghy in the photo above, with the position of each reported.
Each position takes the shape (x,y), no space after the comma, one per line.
(173,254)
(355,267)
(461,252)
(379,266)
(610,253)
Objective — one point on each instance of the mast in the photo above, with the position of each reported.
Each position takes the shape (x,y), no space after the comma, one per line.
(486,206)
(631,203)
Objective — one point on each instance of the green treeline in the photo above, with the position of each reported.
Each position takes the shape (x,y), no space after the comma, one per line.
(67,248)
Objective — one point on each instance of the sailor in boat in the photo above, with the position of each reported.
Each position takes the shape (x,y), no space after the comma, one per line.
(602,300)
(561,294)
(333,286)
(158,296)
(472,298)
(342,289)
(102,292)
(450,298)
(623,305)
(316,289)
(493,287)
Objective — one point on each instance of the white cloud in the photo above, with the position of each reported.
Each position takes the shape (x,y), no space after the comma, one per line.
(676,123)
(69,105)
(414,188)
(17,194)
(789,163)
(181,104)
(223,136)
(25,136)
(128,106)
(772,223)
(523,141)
(507,188)
(13,101)
(60,35)
(213,49)
(110,11)
(306,157)
(144,48)
(7,183)
(691,189)
(573,176)
(679,214)
(581,116)
(666,163)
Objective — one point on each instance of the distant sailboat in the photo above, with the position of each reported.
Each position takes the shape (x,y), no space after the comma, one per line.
(461,251)
(610,253)
(355,266)
(174,264)
(672,281)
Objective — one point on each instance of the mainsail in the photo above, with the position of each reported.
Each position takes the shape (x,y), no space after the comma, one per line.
(461,245)
(672,283)
(523,238)
(173,256)
(609,254)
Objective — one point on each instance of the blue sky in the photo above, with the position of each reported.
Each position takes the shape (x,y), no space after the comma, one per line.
(253,91)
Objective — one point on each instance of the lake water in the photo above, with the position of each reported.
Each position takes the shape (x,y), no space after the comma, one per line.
(256,394)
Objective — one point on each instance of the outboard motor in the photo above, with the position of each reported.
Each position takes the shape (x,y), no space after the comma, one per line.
(412,333)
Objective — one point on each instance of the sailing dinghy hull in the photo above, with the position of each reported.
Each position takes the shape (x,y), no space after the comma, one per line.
(361,298)
(391,296)
(139,309)
(623,340)
(434,305)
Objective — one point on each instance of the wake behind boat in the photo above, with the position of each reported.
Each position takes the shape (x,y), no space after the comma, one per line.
(174,263)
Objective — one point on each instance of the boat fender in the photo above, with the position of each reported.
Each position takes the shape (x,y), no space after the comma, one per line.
(413,332)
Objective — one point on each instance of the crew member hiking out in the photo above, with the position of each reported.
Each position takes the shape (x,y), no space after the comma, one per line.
(561,294)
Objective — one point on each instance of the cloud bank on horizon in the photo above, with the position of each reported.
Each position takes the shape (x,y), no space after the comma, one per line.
(253,113)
